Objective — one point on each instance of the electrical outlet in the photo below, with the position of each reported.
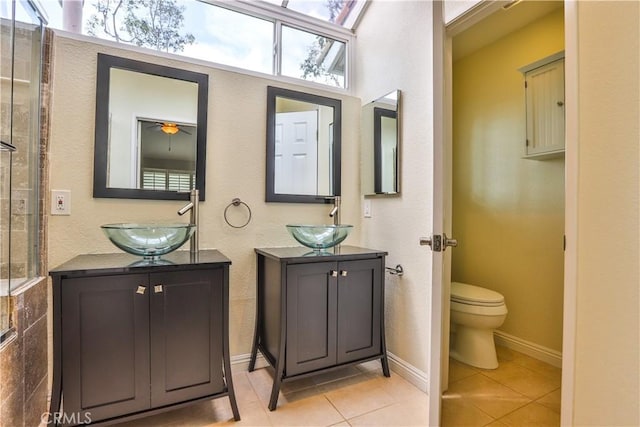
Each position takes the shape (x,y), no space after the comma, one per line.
(60,202)
(367,208)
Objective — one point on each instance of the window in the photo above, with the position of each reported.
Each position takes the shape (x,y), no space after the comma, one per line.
(163,179)
(300,39)
(312,57)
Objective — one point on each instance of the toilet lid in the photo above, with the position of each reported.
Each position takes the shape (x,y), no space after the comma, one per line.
(475,295)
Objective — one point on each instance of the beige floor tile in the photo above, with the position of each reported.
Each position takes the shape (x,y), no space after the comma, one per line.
(458,370)
(197,415)
(345,382)
(243,389)
(358,399)
(338,374)
(252,414)
(533,414)
(373,366)
(496,423)
(412,412)
(399,388)
(487,395)
(312,411)
(523,380)
(539,366)
(551,400)
(457,412)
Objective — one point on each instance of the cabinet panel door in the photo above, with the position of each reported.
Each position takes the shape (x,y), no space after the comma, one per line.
(359,309)
(545,108)
(311,317)
(186,335)
(105,348)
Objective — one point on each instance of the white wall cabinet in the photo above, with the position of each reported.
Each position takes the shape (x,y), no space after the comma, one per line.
(544,93)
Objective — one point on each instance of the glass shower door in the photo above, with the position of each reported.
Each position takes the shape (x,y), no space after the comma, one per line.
(21,33)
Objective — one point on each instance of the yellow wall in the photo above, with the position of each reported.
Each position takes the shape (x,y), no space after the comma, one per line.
(235,168)
(508,213)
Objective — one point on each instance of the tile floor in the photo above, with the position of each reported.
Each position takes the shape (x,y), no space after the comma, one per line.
(521,392)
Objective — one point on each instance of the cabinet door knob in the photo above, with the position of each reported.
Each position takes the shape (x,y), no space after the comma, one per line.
(333,273)
(157,289)
(343,273)
(141,289)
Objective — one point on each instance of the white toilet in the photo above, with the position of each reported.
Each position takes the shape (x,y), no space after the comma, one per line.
(475,313)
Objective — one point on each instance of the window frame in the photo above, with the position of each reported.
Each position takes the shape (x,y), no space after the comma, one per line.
(281,16)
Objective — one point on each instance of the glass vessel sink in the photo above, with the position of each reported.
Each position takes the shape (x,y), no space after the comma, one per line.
(319,237)
(148,240)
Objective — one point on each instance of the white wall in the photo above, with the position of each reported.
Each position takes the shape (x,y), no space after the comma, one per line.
(133,96)
(236,142)
(607,323)
(394,52)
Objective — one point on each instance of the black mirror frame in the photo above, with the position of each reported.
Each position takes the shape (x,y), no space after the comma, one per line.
(378,114)
(336,104)
(105,64)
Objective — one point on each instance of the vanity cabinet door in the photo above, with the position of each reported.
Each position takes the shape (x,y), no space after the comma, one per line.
(311,317)
(186,335)
(359,309)
(105,328)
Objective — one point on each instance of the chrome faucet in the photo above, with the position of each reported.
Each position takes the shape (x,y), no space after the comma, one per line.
(194,198)
(335,212)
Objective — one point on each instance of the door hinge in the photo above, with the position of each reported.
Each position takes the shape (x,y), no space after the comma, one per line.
(525,84)
(526,142)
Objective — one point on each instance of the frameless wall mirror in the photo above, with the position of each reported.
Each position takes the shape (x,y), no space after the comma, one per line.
(303,147)
(381,145)
(150,133)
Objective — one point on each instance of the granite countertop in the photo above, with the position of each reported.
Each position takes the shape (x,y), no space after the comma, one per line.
(304,254)
(122,262)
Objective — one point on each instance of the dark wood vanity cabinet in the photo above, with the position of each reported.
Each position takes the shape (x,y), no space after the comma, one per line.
(318,312)
(134,340)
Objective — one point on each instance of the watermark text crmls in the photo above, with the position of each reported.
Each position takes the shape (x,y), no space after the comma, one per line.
(66,417)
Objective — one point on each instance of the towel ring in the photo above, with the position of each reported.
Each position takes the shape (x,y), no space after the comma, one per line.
(237,202)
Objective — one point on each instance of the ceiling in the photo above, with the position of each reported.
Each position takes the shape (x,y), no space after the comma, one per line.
(499,24)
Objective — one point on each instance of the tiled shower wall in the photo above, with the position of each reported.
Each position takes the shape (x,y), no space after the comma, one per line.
(23,357)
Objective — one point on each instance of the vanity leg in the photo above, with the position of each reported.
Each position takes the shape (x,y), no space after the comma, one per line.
(256,330)
(385,366)
(275,391)
(226,353)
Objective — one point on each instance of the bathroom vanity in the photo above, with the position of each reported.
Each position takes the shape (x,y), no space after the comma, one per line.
(133,338)
(318,311)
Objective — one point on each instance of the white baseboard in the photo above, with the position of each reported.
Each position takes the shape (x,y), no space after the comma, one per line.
(536,351)
(397,365)
(242,361)
(409,372)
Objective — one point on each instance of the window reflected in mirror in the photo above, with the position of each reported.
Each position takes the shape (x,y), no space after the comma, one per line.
(303,147)
(150,130)
(381,145)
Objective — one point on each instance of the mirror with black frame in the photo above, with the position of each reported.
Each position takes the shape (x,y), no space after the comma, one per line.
(150,133)
(303,147)
(381,145)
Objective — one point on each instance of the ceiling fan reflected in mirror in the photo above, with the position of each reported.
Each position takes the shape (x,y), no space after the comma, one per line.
(168,128)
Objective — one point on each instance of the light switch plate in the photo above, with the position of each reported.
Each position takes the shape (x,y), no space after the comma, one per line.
(367,208)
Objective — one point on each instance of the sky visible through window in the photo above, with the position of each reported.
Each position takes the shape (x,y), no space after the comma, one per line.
(236,39)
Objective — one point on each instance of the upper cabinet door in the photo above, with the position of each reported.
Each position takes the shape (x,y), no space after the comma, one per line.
(545,110)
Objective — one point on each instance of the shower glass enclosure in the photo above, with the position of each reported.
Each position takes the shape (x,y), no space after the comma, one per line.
(21,36)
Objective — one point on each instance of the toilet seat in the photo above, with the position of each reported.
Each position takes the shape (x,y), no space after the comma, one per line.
(463,293)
